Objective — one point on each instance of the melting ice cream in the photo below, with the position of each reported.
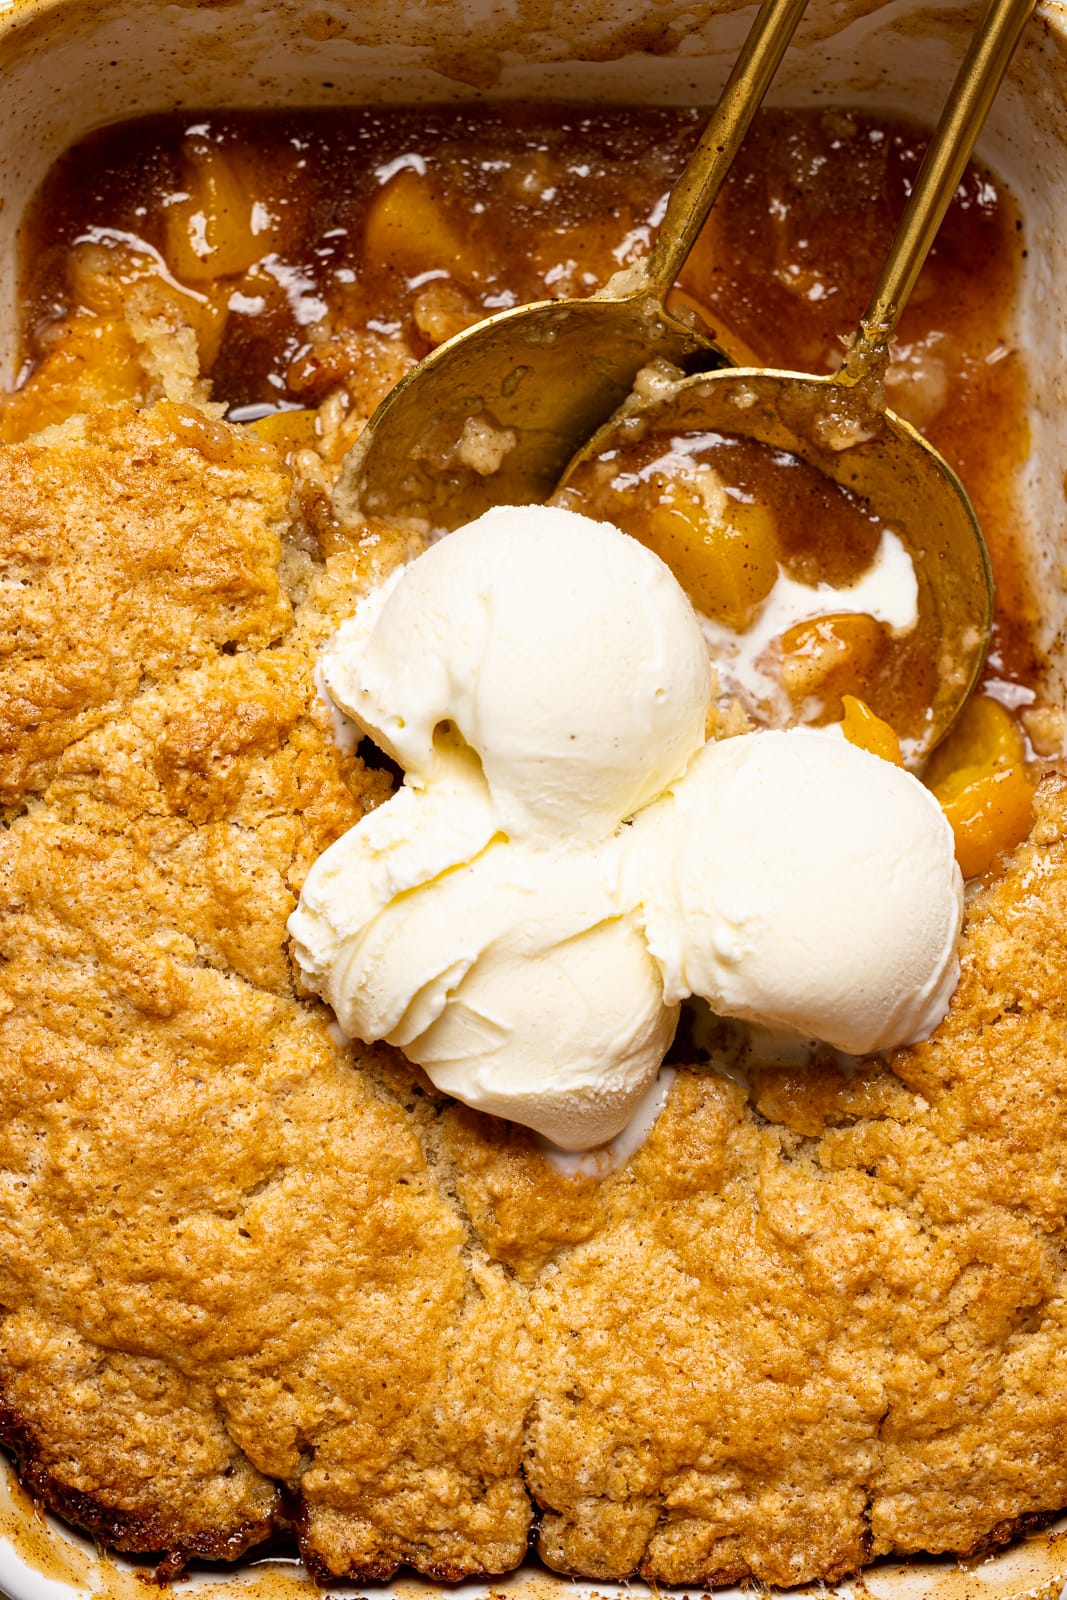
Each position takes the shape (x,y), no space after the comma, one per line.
(567,859)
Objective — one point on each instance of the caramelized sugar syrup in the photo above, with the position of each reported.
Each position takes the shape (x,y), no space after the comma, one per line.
(349,231)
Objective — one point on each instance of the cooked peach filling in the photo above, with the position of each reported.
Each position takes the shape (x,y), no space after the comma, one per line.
(724,554)
(291,267)
(841,666)
(983,781)
(860,726)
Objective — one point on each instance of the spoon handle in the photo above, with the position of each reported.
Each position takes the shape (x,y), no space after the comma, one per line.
(698,187)
(977,81)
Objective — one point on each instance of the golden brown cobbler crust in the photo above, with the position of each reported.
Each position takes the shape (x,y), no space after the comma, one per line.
(250,1275)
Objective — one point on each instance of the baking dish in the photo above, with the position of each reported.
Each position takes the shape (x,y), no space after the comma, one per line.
(68,67)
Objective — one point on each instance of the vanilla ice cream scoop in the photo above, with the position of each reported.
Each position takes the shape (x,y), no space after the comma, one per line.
(796,881)
(416,838)
(567,859)
(562,650)
(520,986)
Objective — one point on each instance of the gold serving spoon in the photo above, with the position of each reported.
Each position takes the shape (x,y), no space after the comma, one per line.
(840,424)
(493,416)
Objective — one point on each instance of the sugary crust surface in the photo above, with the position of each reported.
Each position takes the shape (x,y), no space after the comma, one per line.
(225,1266)
(174,570)
(252,1276)
(829,1322)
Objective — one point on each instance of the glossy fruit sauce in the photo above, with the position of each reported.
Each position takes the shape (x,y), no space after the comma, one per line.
(318,253)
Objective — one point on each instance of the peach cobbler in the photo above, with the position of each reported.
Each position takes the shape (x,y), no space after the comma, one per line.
(258,1279)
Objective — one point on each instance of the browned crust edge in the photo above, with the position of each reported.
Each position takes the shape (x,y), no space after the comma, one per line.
(1006,1532)
(372,1571)
(1002,1534)
(150,1533)
(319,1572)
(146,1532)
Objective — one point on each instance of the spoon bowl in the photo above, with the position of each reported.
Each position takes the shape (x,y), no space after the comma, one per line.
(881,460)
(493,416)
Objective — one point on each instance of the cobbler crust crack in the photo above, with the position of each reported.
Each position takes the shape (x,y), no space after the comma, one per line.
(252,1277)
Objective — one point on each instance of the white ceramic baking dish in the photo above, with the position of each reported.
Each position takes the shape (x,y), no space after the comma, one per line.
(68,66)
